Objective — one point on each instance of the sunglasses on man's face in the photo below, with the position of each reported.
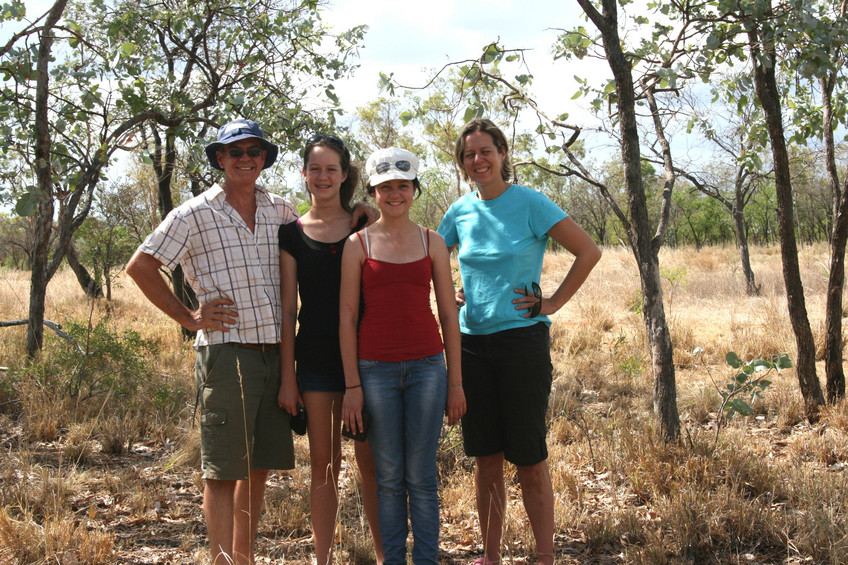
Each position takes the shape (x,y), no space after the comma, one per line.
(236,153)
(399,165)
(537,292)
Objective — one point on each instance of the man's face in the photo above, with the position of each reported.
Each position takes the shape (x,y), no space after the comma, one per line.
(242,160)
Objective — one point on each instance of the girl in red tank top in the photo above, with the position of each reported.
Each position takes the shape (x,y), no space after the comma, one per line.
(393,356)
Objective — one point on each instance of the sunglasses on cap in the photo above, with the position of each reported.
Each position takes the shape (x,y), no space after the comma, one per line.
(402,166)
(236,153)
(537,292)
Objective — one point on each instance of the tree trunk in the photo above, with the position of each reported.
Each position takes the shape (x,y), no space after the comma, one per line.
(662,351)
(195,187)
(833,368)
(44,181)
(88,284)
(642,243)
(767,92)
(644,247)
(742,238)
(38,276)
(185,293)
(164,163)
(834,371)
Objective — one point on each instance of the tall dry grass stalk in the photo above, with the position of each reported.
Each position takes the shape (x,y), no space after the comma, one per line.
(771,489)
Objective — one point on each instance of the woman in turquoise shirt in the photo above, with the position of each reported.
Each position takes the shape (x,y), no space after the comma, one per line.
(501,232)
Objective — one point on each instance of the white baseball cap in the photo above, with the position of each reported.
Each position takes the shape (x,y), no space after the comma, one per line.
(389,164)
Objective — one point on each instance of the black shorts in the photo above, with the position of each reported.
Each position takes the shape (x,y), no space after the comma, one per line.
(507,380)
(311,380)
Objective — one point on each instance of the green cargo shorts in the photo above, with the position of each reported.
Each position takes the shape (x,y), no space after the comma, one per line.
(234,381)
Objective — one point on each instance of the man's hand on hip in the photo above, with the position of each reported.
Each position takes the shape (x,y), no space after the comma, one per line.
(214,316)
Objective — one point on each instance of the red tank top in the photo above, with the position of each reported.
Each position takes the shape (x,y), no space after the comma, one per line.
(397,323)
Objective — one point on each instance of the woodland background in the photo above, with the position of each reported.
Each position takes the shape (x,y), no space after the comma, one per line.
(721,204)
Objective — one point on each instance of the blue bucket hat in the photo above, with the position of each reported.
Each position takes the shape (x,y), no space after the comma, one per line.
(236,131)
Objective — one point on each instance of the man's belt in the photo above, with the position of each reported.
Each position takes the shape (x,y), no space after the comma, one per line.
(264,347)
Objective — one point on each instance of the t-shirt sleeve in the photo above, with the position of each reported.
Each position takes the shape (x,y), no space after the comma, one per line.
(169,241)
(544,213)
(447,228)
(286,236)
(285,211)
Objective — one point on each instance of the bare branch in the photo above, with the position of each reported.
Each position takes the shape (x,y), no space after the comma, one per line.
(668,185)
(57,329)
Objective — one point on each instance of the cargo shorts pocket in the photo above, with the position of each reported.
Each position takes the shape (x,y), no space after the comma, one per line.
(213,417)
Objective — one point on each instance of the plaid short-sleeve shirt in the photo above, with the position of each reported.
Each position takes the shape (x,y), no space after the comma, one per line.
(222,258)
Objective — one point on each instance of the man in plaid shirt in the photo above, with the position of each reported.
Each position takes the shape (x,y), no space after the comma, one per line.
(226,241)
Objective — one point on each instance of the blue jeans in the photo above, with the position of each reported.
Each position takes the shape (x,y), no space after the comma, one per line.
(406,401)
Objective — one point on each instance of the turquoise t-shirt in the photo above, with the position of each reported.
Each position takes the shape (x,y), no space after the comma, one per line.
(501,246)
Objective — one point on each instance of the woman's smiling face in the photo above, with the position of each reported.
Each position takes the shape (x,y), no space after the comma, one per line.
(323,172)
(482,160)
(394,196)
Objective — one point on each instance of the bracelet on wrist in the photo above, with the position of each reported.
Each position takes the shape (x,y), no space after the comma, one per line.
(457,385)
(354,386)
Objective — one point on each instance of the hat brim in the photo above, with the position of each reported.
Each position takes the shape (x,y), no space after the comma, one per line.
(391,174)
(271,150)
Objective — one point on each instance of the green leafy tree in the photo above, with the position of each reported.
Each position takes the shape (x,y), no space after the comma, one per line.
(761,223)
(63,129)
(456,94)
(626,92)
(61,173)
(819,40)
(15,241)
(733,126)
(106,239)
(175,70)
(580,199)
(793,40)
(379,125)
(701,220)
(196,65)
(812,196)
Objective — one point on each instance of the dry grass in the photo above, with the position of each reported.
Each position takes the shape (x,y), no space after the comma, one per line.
(114,479)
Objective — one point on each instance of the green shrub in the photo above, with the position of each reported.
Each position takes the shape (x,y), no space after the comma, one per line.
(100,373)
(103,363)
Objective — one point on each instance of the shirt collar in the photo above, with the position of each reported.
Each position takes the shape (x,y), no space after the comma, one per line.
(216,193)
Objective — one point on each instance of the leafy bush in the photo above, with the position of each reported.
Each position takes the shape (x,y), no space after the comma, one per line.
(100,373)
(9,403)
(750,382)
(103,363)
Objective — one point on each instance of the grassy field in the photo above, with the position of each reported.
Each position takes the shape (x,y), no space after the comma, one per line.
(99,460)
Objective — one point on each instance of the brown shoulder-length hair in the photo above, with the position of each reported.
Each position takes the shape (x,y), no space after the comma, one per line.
(350,183)
(498,137)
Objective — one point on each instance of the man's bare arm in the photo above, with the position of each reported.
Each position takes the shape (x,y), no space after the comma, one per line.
(143,268)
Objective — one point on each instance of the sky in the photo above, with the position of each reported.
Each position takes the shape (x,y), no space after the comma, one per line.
(413,39)
(409,39)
